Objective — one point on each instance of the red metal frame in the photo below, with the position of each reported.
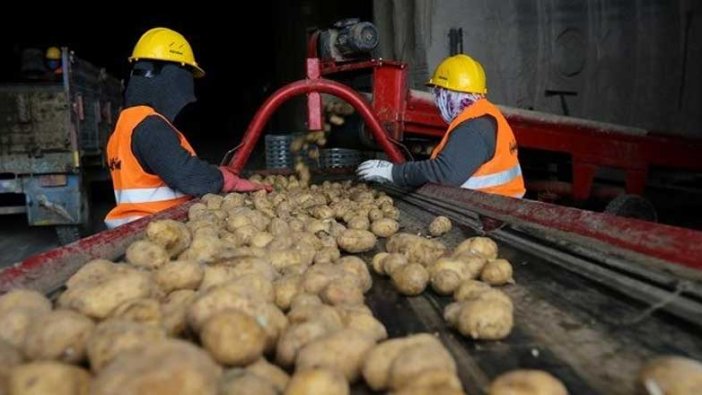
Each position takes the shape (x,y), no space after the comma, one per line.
(47,271)
(313,85)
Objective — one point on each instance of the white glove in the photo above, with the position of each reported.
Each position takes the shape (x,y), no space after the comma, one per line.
(375,170)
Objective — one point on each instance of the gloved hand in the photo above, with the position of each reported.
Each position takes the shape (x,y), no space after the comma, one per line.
(375,170)
(233,183)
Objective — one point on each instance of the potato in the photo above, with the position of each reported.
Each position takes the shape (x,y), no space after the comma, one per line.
(327,254)
(95,270)
(278,227)
(232,200)
(214,275)
(416,359)
(375,214)
(219,298)
(172,367)
(358,222)
(176,275)
(212,201)
(233,338)
(204,249)
(317,381)
(172,235)
(377,262)
(447,273)
(490,319)
(355,241)
(251,265)
(261,239)
(271,373)
(9,358)
(98,299)
(529,382)
(385,227)
(410,279)
(416,249)
(497,272)
(145,310)
(113,337)
(304,299)
(392,262)
(24,298)
(343,291)
(443,382)
(48,377)
(470,289)
(59,335)
(376,367)
(285,290)
(366,324)
(319,276)
(242,382)
(474,263)
(356,267)
(326,314)
(296,337)
(439,226)
(174,311)
(478,245)
(671,375)
(343,350)
(146,254)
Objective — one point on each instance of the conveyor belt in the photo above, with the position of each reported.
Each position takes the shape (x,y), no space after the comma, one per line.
(577,327)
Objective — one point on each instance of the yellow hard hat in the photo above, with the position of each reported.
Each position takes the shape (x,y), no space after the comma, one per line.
(164,44)
(53,53)
(459,73)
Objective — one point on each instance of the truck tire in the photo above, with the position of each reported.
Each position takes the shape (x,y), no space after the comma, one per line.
(632,206)
(68,233)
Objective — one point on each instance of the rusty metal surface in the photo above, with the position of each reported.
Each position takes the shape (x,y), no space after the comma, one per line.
(48,271)
(642,240)
(34,120)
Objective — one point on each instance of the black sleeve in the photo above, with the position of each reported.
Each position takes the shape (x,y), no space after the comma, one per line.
(157,148)
(470,145)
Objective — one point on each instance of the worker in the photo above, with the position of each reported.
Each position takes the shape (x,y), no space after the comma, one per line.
(478,150)
(153,167)
(53,62)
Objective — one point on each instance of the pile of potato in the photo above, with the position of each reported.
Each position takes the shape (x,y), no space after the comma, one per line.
(201,307)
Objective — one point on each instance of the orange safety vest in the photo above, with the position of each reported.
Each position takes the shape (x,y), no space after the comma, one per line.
(137,192)
(502,174)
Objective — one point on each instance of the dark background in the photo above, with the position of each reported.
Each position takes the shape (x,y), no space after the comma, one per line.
(246,54)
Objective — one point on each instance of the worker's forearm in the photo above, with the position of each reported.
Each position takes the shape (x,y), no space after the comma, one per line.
(469,146)
(158,150)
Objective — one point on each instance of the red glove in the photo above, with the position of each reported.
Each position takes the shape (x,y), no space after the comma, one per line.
(232,182)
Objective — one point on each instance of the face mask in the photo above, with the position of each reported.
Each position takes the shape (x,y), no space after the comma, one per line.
(53,64)
(451,103)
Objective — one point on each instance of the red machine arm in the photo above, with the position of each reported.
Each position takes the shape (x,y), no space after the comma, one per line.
(253,133)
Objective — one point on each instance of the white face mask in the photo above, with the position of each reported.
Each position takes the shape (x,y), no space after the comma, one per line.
(452,103)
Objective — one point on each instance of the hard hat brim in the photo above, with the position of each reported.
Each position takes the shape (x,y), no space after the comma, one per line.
(197,71)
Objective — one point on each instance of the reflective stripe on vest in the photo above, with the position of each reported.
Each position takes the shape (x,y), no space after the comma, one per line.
(146,195)
(137,192)
(113,223)
(494,179)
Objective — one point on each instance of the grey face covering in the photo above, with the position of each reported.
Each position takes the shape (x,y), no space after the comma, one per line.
(166,87)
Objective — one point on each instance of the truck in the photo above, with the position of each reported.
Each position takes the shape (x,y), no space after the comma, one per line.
(53,135)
